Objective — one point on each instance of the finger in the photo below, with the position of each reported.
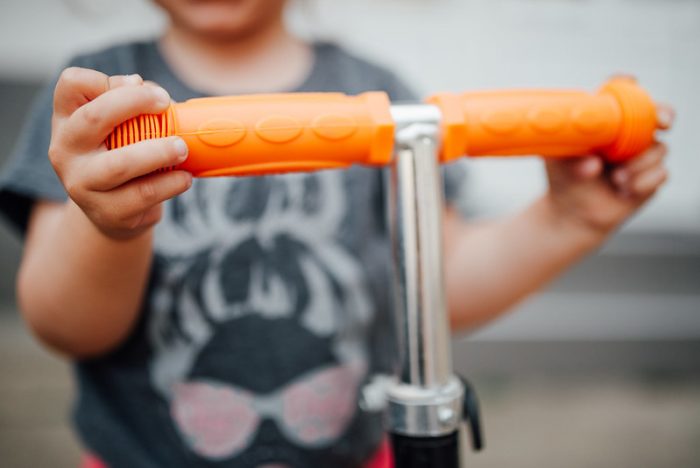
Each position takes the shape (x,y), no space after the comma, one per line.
(128,228)
(149,217)
(588,167)
(574,168)
(78,86)
(139,195)
(117,81)
(111,169)
(89,125)
(654,156)
(665,116)
(649,158)
(83,92)
(647,182)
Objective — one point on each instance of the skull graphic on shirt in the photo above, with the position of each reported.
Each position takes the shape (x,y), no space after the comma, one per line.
(259,318)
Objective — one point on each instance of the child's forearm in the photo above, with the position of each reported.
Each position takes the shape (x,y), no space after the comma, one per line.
(79,290)
(493,265)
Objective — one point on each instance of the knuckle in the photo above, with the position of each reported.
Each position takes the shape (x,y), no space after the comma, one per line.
(74,188)
(55,153)
(91,116)
(147,96)
(134,222)
(71,187)
(151,218)
(119,217)
(88,204)
(154,95)
(116,167)
(147,192)
(70,76)
(104,219)
(115,81)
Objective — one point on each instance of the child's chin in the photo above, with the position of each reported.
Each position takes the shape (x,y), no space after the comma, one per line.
(222,29)
(227,19)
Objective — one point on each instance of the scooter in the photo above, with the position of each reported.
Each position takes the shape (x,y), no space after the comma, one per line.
(254,135)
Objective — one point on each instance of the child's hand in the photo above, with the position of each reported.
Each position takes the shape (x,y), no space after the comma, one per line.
(117,190)
(600,198)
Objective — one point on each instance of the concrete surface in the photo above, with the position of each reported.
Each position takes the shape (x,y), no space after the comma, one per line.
(535,415)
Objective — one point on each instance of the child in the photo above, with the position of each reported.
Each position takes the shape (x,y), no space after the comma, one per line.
(233,322)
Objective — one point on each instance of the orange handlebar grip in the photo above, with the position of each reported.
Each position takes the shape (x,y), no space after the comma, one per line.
(618,122)
(267,134)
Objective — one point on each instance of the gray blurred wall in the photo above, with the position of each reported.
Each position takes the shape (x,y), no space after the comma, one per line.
(645,285)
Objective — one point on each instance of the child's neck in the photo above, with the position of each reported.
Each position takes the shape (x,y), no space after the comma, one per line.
(268,60)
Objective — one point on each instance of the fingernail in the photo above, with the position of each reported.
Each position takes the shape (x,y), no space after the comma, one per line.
(665,118)
(590,167)
(180,149)
(621,177)
(133,79)
(162,96)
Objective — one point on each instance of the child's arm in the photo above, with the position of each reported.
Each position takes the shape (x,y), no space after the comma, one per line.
(492,266)
(86,262)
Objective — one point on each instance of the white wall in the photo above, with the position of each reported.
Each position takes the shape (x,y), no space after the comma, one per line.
(452,45)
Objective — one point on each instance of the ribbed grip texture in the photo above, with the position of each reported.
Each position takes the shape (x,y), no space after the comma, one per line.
(271,134)
(143,127)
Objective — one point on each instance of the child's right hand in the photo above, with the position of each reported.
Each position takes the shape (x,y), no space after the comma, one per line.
(118,189)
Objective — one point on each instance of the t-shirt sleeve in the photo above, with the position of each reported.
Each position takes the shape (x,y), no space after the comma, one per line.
(454,174)
(28,175)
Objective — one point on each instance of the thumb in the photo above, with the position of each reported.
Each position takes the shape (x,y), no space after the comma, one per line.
(574,169)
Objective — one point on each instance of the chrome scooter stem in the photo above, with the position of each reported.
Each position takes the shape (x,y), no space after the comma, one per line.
(425,402)
(417,221)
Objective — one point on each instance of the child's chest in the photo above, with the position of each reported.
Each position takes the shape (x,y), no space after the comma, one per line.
(303,246)
(342,207)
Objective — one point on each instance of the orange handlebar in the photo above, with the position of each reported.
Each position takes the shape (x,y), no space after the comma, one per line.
(618,122)
(264,134)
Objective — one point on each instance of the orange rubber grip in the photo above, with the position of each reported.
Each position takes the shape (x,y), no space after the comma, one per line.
(618,122)
(266,134)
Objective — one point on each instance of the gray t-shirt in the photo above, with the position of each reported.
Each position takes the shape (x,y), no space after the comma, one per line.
(268,306)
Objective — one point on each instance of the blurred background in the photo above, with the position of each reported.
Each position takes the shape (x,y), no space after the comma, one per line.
(602,368)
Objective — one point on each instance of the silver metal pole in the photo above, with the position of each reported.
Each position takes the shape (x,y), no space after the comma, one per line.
(427,399)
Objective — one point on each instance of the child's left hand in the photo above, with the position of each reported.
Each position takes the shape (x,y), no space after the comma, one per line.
(599,198)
